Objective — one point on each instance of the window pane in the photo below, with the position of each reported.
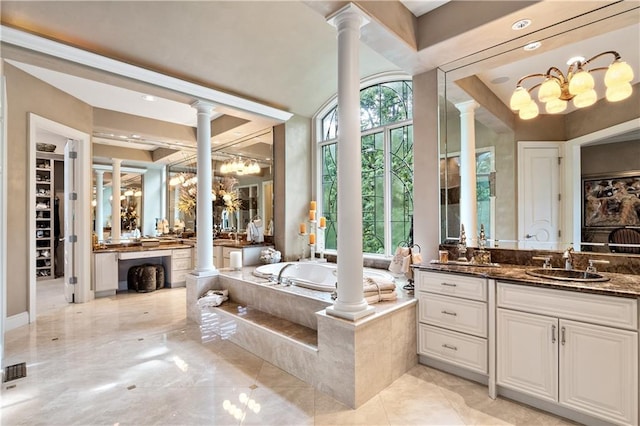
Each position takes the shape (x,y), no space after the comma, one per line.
(330,125)
(401,184)
(373,193)
(330,194)
(370,107)
(395,102)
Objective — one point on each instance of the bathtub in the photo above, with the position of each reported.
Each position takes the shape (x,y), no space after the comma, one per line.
(314,276)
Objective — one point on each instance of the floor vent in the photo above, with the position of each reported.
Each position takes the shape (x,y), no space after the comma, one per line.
(15,372)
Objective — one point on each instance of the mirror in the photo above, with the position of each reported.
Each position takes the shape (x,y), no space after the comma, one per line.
(242,187)
(496,146)
(131,215)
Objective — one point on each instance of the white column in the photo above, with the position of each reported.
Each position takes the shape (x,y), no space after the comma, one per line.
(99,226)
(468,199)
(115,201)
(204,208)
(350,303)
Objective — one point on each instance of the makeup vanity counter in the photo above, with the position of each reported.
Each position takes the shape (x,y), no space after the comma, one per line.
(112,262)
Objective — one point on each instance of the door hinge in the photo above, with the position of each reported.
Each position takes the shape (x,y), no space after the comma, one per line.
(559,233)
(73,154)
(73,280)
(73,238)
(559,197)
(73,196)
(559,160)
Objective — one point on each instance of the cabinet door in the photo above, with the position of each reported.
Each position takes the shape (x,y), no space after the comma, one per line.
(599,371)
(527,353)
(106,272)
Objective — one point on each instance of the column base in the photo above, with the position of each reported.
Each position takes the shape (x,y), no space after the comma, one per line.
(351,316)
(205,273)
(197,285)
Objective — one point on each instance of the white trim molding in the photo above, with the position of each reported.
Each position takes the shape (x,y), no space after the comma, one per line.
(17,320)
(49,47)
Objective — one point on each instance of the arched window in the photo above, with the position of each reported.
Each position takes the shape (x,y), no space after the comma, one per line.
(386,121)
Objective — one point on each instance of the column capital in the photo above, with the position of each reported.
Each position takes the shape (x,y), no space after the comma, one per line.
(467,106)
(349,13)
(203,106)
(116,161)
(99,172)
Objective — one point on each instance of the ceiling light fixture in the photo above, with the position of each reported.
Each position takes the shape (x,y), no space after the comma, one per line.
(578,85)
(240,167)
(532,46)
(149,98)
(521,24)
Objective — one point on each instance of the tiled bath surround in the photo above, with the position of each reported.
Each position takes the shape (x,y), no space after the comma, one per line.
(352,362)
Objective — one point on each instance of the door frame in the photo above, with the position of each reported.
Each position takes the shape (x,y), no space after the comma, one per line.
(83,290)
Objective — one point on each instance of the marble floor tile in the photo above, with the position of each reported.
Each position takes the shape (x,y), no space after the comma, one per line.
(133,359)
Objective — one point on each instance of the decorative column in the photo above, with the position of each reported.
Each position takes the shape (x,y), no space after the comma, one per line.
(468,198)
(115,201)
(204,207)
(350,303)
(99,226)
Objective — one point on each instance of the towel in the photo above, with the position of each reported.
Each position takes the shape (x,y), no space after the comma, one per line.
(401,260)
(255,231)
(213,298)
(378,284)
(385,297)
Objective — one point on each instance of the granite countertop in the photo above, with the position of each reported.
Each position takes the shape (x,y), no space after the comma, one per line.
(622,285)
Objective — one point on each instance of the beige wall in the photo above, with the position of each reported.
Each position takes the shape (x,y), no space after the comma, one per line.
(26,94)
(292,183)
(610,158)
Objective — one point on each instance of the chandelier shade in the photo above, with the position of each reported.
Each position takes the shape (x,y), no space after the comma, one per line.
(577,85)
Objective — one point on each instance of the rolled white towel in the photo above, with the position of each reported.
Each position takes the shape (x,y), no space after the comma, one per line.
(213,298)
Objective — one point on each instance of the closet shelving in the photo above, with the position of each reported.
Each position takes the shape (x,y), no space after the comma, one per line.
(44,199)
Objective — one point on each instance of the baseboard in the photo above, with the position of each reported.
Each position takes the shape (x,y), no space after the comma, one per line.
(16,321)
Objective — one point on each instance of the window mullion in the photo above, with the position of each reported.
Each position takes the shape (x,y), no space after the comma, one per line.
(388,250)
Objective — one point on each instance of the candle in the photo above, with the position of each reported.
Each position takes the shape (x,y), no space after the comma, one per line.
(312,205)
(303,228)
(312,215)
(312,238)
(235,260)
(323,221)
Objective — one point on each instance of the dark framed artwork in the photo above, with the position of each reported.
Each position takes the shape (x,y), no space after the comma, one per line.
(611,201)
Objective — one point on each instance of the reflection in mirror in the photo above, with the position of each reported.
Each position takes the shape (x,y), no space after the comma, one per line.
(242,187)
(130,217)
(601,194)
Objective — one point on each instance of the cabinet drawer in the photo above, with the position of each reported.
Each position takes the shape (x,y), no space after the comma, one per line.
(178,276)
(457,314)
(181,254)
(460,349)
(452,285)
(592,308)
(180,264)
(144,254)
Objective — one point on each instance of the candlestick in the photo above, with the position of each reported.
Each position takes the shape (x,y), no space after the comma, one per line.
(302,236)
(323,222)
(312,205)
(312,215)
(303,228)
(312,238)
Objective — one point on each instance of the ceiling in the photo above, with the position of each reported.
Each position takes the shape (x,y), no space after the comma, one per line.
(247,49)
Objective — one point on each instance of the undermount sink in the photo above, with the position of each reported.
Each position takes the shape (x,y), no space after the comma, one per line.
(566,275)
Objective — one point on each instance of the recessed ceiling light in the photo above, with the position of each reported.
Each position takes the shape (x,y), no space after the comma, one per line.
(148,98)
(122,137)
(521,24)
(135,136)
(575,59)
(532,46)
(216,141)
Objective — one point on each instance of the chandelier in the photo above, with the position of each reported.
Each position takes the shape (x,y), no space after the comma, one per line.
(577,86)
(240,167)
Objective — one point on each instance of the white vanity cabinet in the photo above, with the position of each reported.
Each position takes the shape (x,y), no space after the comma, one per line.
(181,265)
(105,273)
(574,349)
(453,319)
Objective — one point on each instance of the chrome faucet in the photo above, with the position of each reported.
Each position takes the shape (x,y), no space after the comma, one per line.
(279,280)
(568,258)
(235,236)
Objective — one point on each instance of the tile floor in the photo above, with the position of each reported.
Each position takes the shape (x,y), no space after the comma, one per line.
(133,359)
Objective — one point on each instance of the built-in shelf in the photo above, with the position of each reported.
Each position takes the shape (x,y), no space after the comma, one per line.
(44,236)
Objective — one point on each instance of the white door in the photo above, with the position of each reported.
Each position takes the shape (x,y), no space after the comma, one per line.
(599,371)
(527,353)
(539,194)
